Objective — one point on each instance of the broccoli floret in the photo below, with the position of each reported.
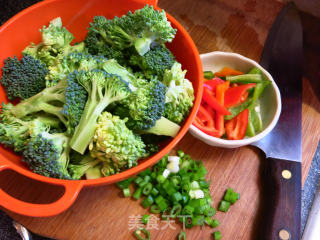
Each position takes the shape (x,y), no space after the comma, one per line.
(179,94)
(54,46)
(144,106)
(24,78)
(75,100)
(154,62)
(48,154)
(50,100)
(95,45)
(116,145)
(140,29)
(15,132)
(103,89)
(78,170)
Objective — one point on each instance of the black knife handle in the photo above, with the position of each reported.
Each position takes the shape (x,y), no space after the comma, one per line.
(281,181)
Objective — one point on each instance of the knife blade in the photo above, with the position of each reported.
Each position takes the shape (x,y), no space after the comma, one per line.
(281,176)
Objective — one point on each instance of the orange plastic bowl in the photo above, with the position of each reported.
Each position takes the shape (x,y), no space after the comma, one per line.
(23,28)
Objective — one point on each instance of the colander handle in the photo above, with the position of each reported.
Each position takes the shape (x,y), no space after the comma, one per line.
(72,189)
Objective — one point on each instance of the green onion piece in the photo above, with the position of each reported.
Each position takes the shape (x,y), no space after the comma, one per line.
(245,78)
(224,206)
(125,183)
(137,234)
(145,219)
(154,209)
(175,211)
(187,210)
(161,190)
(215,223)
(126,192)
(185,198)
(176,181)
(161,178)
(147,201)
(188,222)
(209,212)
(208,221)
(154,192)
(168,187)
(137,194)
(153,175)
(231,196)
(147,189)
(176,197)
(142,184)
(163,205)
(145,173)
(197,220)
(163,162)
(182,236)
(159,199)
(147,178)
(138,179)
(217,235)
(180,153)
(208,75)
(203,184)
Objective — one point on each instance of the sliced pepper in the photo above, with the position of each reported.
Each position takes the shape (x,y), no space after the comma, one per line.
(220,91)
(236,128)
(208,130)
(235,95)
(226,71)
(209,99)
(211,84)
(204,116)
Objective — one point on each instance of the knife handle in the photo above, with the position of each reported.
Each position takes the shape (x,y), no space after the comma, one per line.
(281,181)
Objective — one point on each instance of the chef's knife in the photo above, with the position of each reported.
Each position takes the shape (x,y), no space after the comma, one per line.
(282,58)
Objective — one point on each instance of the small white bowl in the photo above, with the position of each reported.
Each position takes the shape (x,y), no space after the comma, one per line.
(270,99)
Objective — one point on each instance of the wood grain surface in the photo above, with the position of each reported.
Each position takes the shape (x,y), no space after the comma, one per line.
(101,213)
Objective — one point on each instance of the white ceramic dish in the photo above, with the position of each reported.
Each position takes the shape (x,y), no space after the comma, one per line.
(270,99)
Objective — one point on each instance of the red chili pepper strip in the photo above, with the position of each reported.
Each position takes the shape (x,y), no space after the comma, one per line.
(213,83)
(213,102)
(208,130)
(204,116)
(226,71)
(236,128)
(234,95)
(220,91)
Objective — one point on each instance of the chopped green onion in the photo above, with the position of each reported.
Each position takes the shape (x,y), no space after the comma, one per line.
(187,210)
(138,179)
(154,209)
(217,235)
(160,179)
(197,220)
(125,183)
(154,192)
(145,219)
(215,223)
(126,192)
(145,173)
(147,189)
(208,221)
(137,234)
(231,196)
(147,201)
(175,211)
(188,222)
(224,206)
(208,75)
(209,212)
(137,194)
(180,153)
(176,197)
(142,184)
(182,236)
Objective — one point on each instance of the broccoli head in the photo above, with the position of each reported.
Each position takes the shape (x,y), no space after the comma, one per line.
(23,79)
(179,94)
(48,154)
(154,62)
(140,29)
(116,145)
(144,106)
(103,89)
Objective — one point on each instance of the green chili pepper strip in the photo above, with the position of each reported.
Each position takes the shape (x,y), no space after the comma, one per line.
(182,236)
(245,78)
(208,75)
(137,234)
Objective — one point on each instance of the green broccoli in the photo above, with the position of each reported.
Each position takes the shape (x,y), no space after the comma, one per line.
(54,46)
(95,45)
(23,79)
(144,106)
(78,170)
(116,145)
(15,132)
(154,62)
(179,95)
(140,29)
(48,154)
(103,89)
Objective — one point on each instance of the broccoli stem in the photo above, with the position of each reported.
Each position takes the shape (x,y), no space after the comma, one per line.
(84,132)
(41,102)
(164,127)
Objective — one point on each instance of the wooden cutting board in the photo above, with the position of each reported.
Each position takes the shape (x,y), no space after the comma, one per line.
(102,213)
